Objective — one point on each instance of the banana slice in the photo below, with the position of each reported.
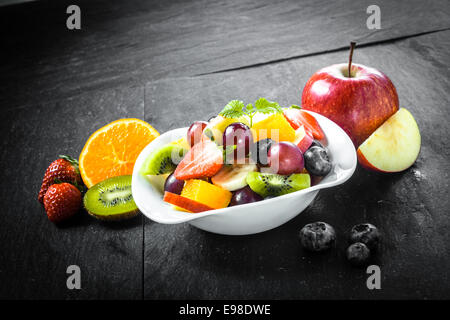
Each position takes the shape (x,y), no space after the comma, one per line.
(233,177)
(158,181)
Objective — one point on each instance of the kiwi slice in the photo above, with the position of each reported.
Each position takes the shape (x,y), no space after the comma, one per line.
(269,184)
(163,160)
(111,199)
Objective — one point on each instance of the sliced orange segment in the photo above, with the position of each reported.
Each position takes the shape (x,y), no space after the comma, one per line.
(274,127)
(113,149)
(206,193)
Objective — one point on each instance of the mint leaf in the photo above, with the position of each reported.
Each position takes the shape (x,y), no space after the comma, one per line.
(234,109)
(237,108)
(294,106)
(265,106)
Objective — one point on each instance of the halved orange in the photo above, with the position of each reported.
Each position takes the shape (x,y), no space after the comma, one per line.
(113,149)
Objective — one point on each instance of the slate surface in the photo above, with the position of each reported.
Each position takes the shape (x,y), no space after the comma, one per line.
(35,253)
(123,42)
(164,61)
(410,208)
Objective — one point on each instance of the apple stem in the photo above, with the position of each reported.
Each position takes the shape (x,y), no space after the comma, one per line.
(352,47)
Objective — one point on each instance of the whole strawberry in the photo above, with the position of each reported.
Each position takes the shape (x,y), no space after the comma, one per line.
(64,169)
(61,201)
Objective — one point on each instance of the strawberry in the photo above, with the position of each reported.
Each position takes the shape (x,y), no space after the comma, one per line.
(297,118)
(204,159)
(61,201)
(64,169)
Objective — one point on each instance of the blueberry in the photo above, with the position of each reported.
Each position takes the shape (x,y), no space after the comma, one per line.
(317,161)
(358,254)
(366,233)
(317,236)
(316,143)
(259,151)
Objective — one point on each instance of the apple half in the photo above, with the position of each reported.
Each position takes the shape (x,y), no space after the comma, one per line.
(394,146)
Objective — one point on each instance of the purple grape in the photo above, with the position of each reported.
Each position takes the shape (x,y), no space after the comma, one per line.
(243,196)
(173,185)
(238,134)
(285,158)
(194,133)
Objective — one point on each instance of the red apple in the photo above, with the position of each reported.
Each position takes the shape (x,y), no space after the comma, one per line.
(359,103)
(394,146)
(302,139)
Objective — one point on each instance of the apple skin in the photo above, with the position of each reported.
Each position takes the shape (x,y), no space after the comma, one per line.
(365,163)
(359,105)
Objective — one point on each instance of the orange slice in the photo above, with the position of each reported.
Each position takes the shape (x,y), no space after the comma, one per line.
(275,127)
(206,193)
(112,150)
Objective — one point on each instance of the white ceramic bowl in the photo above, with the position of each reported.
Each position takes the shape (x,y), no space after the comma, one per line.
(253,217)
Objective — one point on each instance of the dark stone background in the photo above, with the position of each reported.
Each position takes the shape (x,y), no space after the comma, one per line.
(173,62)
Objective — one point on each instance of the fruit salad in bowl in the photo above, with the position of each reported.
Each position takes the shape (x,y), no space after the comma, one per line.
(249,169)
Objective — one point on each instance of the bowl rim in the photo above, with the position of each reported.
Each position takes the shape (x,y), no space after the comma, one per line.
(186,216)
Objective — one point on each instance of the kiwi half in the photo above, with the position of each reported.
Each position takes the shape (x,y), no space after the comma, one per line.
(269,184)
(111,199)
(163,160)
